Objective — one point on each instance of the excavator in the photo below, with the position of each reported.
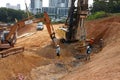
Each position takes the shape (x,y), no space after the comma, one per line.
(9,36)
(73,31)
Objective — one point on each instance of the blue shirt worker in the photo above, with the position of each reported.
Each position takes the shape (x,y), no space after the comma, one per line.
(88,52)
(58,50)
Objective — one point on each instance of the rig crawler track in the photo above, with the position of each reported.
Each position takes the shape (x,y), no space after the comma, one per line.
(11,51)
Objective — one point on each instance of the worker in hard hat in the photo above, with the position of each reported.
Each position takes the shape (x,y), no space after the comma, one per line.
(101,43)
(90,42)
(58,50)
(88,52)
(89,48)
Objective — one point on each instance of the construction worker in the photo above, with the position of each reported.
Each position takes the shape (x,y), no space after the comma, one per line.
(91,41)
(88,52)
(58,50)
(89,48)
(101,43)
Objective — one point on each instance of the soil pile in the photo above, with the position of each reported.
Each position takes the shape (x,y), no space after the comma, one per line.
(106,64)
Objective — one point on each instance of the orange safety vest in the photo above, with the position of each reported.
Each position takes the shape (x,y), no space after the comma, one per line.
(91,41)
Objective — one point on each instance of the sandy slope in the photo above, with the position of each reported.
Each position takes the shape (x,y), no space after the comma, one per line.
(106,64)
(103,66)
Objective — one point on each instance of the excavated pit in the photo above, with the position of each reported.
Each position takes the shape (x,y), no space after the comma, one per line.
(39,61)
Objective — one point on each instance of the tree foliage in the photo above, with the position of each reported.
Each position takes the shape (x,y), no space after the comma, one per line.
(39,15)
(97,15)
(110,6)
(9,15)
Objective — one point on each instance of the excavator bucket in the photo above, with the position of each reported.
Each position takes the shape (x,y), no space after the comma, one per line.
(11,51)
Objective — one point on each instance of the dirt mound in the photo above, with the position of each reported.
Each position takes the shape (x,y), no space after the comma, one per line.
(105,64)
(107,29)
(22,63)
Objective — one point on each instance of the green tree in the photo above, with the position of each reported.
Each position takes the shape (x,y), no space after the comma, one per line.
(99,6)
(110,6)
(9,15)
(39,15)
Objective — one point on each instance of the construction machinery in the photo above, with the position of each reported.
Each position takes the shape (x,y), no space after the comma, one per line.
(9,36)
(49,26)
(74,26)
(73,31)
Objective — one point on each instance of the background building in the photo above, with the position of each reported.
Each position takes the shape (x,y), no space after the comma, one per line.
(69,3)
(16,7)
(36,6)
(63,3)
(59,8)
(55,12)
(58,3)
(53,3)
(52,11)
(56,9)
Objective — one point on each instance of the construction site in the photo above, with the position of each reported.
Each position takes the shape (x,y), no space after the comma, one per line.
(32,54)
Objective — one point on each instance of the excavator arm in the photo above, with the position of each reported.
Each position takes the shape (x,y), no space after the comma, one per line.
(49,26)
(7,44)
(11,37)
